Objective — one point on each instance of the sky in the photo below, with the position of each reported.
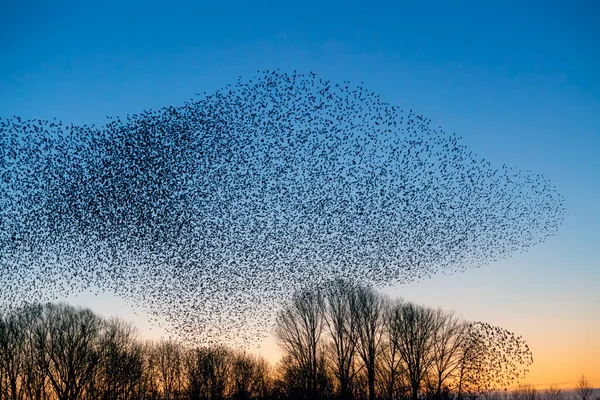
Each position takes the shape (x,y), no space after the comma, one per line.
(518,81)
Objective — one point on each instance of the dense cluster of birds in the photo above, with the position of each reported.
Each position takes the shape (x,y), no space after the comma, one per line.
(495,358)
(209,214)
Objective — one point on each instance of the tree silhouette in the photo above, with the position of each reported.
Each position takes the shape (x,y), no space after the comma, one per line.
(415,344)
(341,327)
(55,351)
(449,334)
(299,330)
(367,308)
(583,390)
(73,353)
(392,371)
(414,351)
(553,393)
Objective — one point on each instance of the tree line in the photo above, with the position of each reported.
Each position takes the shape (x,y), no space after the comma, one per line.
(583,391)
(342,341)
(350,342)
(56,351)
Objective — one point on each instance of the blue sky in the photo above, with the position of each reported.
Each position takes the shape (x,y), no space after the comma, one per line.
(518,81)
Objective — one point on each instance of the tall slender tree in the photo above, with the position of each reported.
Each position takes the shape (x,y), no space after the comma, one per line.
(342,329)
(299,330)
(416,325)
(368,311)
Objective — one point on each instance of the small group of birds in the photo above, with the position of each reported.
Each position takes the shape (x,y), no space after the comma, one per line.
(210,214)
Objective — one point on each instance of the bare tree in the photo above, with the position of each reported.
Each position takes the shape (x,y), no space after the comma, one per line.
(167,360)
(583,390)
(392,375)
(553,393)
(11,356)
(416,325)
(368,311)
(37,355)
(342,330)
(120,372)
(299,331)
(32,382)
(149,387)
(525,392)
(449,332)
(209,373)
(243,377)
(72,349)
(250,377)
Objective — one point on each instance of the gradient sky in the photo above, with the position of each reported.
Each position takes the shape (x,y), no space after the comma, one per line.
(516,80)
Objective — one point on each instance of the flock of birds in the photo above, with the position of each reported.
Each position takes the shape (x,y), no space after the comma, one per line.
(208,215)
(496,358)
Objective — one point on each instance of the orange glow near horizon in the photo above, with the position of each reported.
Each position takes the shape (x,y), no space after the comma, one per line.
(550,368)
(563,349)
